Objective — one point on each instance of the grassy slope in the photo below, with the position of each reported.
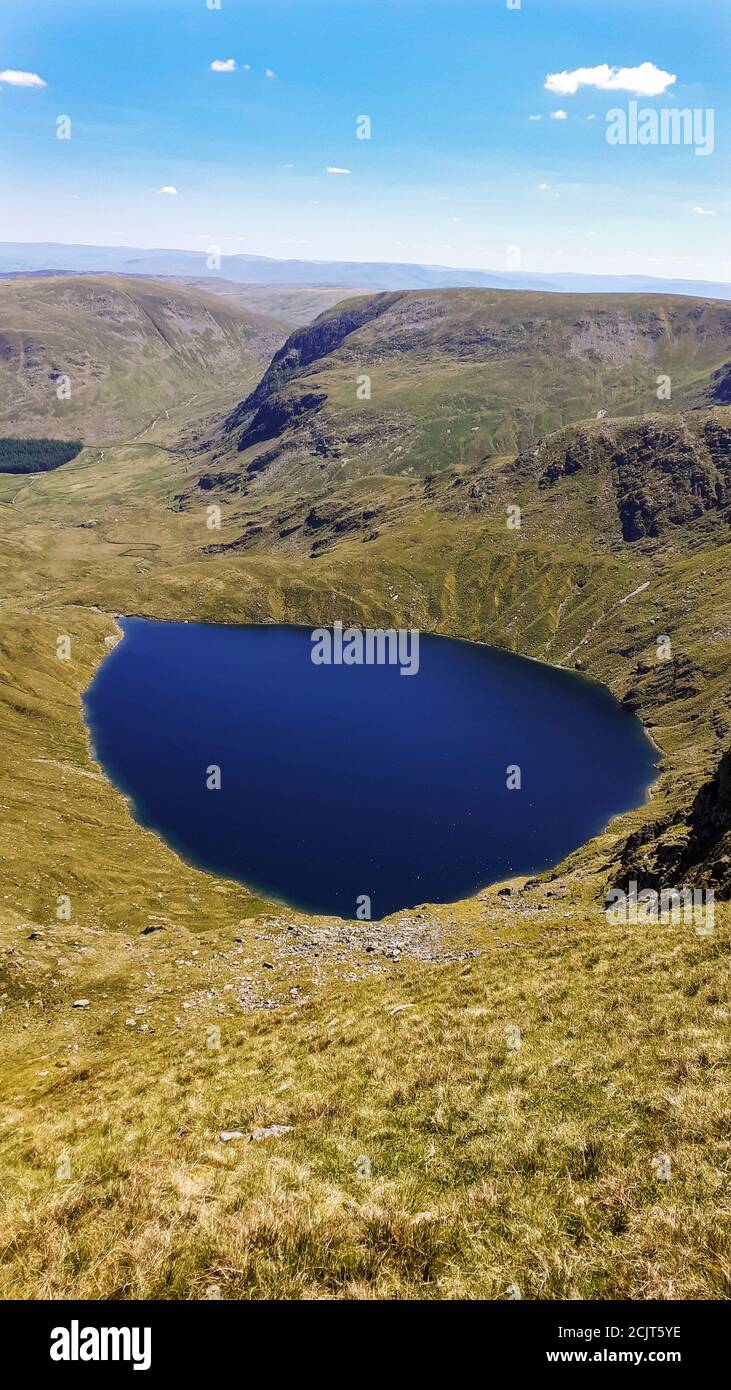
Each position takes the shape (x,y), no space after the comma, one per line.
(487,1167)
(131,348)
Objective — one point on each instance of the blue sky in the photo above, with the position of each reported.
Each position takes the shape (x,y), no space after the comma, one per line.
(456,171)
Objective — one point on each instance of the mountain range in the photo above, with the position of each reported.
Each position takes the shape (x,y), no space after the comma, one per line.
(22,258)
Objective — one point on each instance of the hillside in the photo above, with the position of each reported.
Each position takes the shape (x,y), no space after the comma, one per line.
(130,350)
(405,384)
(485,1167)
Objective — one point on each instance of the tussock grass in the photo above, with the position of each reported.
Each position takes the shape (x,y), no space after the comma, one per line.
(486,1166)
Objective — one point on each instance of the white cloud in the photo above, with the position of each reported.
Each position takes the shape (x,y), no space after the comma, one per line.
(535,118)
(169,189)
(704,212)
(559,116)
(643,81)
(21,79)
(592,117)
(223,65)
(333,169)
(544,186)
(269,73)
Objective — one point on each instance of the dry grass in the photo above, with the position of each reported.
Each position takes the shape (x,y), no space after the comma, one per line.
(487,1166)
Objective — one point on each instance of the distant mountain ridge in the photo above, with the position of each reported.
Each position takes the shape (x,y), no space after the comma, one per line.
(18,258)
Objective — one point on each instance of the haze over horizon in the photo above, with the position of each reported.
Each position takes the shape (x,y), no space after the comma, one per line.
(61,258)
(238,128)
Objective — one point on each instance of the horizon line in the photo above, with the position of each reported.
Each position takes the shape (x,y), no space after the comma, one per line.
(293,260)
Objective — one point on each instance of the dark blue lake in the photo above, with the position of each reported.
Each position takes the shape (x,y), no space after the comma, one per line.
(338,782)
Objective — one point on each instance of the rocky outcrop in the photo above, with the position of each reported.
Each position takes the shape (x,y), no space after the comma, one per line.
(663,472)
(664,476)
(720,388)
(308,345)
(709,842)
(661,683)
(690,849)
(277,413)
